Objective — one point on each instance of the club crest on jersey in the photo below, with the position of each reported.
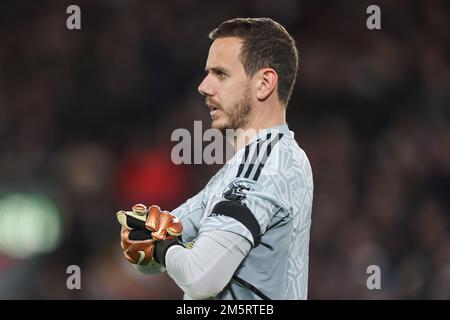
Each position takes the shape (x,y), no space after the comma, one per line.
(236,191)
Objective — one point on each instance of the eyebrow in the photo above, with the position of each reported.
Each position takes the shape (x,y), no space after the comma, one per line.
(216,70)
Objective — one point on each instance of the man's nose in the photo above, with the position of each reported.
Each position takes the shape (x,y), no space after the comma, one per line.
(205,88)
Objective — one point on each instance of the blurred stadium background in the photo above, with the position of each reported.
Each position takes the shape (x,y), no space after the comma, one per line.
(83,113)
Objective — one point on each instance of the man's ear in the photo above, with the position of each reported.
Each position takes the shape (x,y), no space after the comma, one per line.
(268,81)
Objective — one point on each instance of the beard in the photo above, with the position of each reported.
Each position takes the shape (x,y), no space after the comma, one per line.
(236,117)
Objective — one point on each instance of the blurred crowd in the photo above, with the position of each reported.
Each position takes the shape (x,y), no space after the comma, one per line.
(86,118)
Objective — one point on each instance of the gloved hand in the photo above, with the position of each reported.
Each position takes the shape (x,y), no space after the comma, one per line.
(141,227)
(137,246)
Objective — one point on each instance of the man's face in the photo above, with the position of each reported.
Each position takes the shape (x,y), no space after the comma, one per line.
(226,86)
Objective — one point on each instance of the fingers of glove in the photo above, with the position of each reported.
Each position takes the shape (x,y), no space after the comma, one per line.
(165,220)
(175,228)
(162,223)
(139,209)
(153,218)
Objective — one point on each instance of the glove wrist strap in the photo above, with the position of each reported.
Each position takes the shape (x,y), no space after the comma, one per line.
(161,247)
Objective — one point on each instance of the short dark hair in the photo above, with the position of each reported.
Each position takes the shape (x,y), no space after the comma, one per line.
(267,44)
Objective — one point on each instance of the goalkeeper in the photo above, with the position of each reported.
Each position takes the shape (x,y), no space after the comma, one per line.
(246,234)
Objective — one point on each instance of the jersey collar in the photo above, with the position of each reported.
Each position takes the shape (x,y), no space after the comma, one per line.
(262,133)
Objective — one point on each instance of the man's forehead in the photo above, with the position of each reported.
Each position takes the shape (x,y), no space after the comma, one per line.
(224,51)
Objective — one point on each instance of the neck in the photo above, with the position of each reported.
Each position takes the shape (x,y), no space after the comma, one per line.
(271,116)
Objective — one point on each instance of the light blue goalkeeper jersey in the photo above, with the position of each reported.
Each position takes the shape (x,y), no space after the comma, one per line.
(272,177)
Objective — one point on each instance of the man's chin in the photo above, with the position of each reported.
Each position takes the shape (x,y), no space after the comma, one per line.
(216,124)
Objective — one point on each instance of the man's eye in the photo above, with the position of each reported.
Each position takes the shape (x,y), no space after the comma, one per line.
(220,74)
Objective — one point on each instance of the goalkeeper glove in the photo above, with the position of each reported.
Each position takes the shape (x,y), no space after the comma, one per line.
(142,228)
